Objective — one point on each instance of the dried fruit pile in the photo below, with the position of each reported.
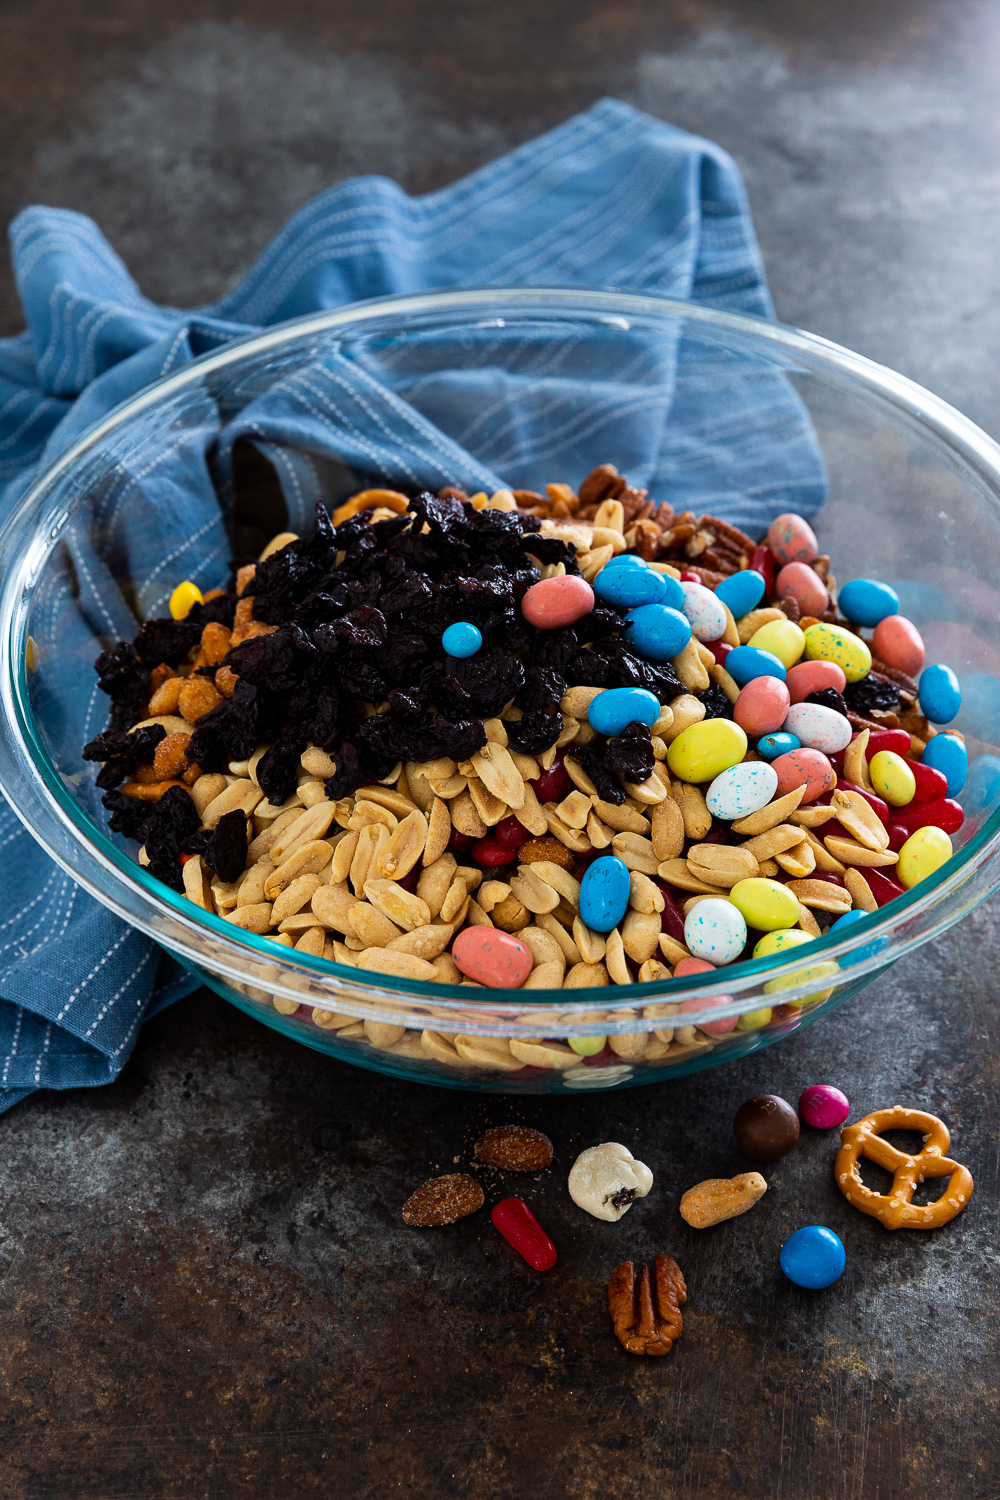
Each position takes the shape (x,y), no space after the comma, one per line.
(563,793)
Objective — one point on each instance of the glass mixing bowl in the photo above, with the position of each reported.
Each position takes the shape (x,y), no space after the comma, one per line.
(912,492)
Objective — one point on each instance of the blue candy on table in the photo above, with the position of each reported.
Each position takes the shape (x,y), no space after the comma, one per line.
(947,753)
(630,587)
(939,693)
(612,711)
(657,632)
(744,663)
(865,601)
(770,746)
(741,592)
(813,1257)
(462,639)
(604,893)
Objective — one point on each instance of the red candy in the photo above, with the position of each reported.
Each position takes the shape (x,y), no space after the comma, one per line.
(931,784)
(881,887)
(688,577)
(510,833)
(720,650)
(459,842)
(553,785)
(898,834)
(489,852)
(944,813)
(520,1228)
(671,917)
(887,739)
(762,562)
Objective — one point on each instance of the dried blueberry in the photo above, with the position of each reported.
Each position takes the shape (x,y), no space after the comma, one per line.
(591,759)
(534,732)
(225,848)
(717,705)
(630,754)
(125,679)
(828,698)
(873,691)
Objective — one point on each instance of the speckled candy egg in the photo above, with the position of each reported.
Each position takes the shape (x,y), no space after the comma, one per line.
(898,642)
(492,957)
(798,581)
(767,905)
(556,602)
(742,790)
(782,638)
(833,643)
(813,677)
(715,931)
(924,852)
(705,611)
(657,632)
(792,539)
(947,753)
(724,1024)
(703,751)
(808,768)
(818,727)
(762,706)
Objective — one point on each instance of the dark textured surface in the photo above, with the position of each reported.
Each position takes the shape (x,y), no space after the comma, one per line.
(205,1285)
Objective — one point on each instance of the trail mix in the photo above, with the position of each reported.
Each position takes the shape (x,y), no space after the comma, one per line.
(556,741)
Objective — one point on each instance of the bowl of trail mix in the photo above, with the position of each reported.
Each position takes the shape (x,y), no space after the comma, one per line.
(562,783)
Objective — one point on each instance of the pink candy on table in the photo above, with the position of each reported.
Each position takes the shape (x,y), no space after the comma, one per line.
(813,677)
(762,706)
(556,602)
(712,1028)
(792,539)
(898,642)
(492,957)
(520,1228)
(823,1107)
(808,768)
(798,581)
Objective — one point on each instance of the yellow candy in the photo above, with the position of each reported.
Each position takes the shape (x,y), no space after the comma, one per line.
(782,638)
(587,1046)
(765,904)
(924,852)
(183,599)
(834,643)
(893,779)
(821,970)
(754,1020)
(703,751)
(777,942)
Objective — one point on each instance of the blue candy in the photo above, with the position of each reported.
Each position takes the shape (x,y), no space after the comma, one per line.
(461,639)
(982,790)
(631,586)
(742,592)
(947,753)
(628,560)
(849,919)
(604,893)
(867,950)
(615,708)
(744,663)
(657,631)
(865,601)
(773,745)
(813,1257)
(940,694)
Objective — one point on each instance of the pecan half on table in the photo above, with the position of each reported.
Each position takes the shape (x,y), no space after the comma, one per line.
(647,1313)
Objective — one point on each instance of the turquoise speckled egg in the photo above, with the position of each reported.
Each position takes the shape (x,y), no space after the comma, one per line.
(742,790)
(715,931)
(657,632)
(630,586)
(744,663)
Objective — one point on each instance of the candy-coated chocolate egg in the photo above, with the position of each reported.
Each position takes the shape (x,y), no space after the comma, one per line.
(924,852)
(744,663)
(813,1257)
(792,539)
(779,940)
(706,613)
(808,768)
(898,642)
(822,1106)
(657,632)
(183,600)
(814,677)
(724,1024)
(865,601)
(754,1020)
(770,746)
(940,694)
(741,592)
(762,706)
(798,581)
(703,751)
(556,602)
(462,639)
(818,728)
(782,638)
(892,778)
(614,709)
(766,905)
(947,753)
(834,643)
(587,1046)
(715,930)
(630,586)
(604,893)
(742,790)
(492,957)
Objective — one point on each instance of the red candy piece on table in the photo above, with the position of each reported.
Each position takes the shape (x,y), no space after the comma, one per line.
(520,1228)
(720,650)
(881,887)
(459,842)
(553,785)
(887,739)
(510,833)
(489,852)
(671,917)
(762,562)
(878,807)
(931,784)
(945,813)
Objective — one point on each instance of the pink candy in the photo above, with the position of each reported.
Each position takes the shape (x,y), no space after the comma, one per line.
(792,539)
(823,1106)
(724,1024)
(812,677)
(808,768)
(556,602)
(762,706)
(520,1228)
(898,643)
(798,581)
(492,957)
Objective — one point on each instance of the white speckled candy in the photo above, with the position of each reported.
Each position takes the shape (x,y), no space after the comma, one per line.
(715,931)
(742,790)
(818,727)
(706,613)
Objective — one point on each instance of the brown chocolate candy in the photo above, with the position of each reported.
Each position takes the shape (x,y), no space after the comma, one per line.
(766,1127)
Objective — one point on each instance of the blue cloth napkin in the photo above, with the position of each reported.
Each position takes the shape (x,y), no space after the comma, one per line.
(612,198)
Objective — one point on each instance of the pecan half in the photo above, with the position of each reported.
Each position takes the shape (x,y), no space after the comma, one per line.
(647,1317)
(514,1148)
(442,1200)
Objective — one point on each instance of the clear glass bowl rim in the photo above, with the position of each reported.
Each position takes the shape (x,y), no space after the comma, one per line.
(206,940)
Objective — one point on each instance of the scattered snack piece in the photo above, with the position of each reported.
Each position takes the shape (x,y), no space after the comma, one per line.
(823,1107)
(606,1180)
(721,1198)
(514,1148)
(896,1210)
(519,1227)
(647,1315)
(813,1257)
(766,1127)
(443,1200)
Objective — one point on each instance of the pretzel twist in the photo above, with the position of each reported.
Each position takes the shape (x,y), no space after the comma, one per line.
(897,1211)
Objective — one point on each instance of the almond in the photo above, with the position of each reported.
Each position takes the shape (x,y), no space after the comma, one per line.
(514,1148)
(443,1200)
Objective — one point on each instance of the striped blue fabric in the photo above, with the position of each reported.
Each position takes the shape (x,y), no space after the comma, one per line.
(613,198)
